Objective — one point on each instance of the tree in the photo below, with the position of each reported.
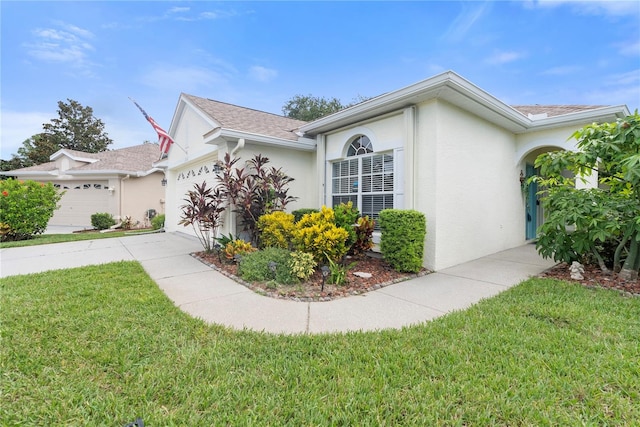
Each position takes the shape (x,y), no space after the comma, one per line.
(602,223)
(75,128)
(36,150)
(310,107)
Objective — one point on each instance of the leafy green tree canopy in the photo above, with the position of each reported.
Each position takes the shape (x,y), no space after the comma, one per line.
(75,128)
(309,108)
(601,223)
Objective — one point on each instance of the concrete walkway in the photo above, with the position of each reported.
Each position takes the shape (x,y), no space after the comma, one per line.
(213,297)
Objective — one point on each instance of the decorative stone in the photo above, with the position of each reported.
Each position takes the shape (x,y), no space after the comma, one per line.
(363,275)
(576,269)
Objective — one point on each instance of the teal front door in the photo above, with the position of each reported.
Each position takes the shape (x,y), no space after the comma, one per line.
(532,206)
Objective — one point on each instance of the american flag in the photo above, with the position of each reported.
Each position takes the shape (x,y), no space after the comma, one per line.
(164,139)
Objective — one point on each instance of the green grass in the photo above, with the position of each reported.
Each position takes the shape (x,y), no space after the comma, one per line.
(45,239)
(102,345)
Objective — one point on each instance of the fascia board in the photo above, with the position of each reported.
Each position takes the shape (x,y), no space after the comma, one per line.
(598,115)
(448,86)
(184,102)
(64,152)
(304,145)
(44,174)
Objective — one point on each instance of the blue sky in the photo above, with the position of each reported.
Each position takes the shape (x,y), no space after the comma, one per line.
(260,54)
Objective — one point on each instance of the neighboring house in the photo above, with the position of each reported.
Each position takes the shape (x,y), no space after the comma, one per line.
(124,183)
(441,146)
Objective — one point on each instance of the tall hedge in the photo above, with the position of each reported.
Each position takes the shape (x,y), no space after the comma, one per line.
(402,241)
(26,208)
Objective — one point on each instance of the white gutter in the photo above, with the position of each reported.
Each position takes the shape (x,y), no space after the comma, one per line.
(604,114)
(306,145)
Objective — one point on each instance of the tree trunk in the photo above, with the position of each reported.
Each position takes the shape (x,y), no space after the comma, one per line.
(629,270)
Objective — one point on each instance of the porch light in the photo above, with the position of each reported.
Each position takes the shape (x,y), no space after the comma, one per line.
(164,182)
(522,178)
(217,168)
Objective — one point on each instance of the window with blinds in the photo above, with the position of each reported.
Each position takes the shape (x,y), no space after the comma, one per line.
(366,180)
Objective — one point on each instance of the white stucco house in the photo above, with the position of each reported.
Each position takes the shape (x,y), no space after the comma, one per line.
(441,146)
(123,182)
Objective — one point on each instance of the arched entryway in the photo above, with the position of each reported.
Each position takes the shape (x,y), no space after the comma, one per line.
(533,209)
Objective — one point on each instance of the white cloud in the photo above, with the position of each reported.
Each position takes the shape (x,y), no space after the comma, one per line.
(262,74)
(593,7)
(621,88)
(179,9)
(182,79)
(562,70)
(504,57)
(629,49)
(18,126)
(462,24)
(66,44)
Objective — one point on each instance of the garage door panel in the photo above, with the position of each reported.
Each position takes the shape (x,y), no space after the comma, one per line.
(81,200)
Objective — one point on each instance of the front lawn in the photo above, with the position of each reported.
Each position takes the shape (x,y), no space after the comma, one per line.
(45,239)
(102,345)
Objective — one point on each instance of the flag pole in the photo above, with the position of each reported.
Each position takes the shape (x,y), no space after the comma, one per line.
(156,127)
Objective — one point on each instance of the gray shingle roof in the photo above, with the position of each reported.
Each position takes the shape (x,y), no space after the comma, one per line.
(554,110)
(139,158)
(247,120)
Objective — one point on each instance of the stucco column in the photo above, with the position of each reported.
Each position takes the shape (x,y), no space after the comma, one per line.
(409,156)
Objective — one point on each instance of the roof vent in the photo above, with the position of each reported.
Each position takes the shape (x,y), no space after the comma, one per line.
(538,116)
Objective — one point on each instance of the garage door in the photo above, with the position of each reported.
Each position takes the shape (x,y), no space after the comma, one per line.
(81,200)
(185,180)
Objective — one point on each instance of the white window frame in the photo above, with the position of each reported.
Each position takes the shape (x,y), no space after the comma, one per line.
(367,182)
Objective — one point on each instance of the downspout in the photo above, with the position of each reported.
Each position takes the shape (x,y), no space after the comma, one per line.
(126,177)
(321,165)
(232,218)
(239,146)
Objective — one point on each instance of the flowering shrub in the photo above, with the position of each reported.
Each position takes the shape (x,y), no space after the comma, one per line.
(318,234)
(26,208)
(275,229)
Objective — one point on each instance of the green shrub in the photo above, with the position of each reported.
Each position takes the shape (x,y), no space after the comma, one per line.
(26,208)
(346,217)
(157,222)
(302,265)
(275,229)
(102,221)
(254,266)
(317,234)
(364,235)
(299,213)
(402,241)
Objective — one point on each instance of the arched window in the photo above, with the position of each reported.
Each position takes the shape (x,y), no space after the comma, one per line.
(359,146)
(364,178)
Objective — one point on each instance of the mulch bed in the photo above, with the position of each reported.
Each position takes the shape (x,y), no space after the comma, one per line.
(381,275)
(595,278)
